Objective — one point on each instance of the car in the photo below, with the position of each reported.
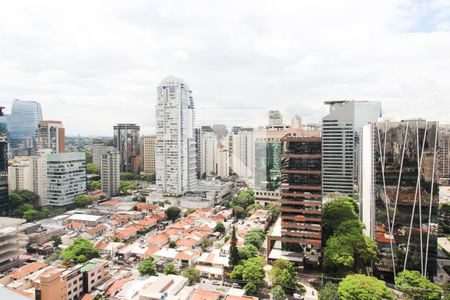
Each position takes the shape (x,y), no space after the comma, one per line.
(216,282)
(236,286)
(298,296)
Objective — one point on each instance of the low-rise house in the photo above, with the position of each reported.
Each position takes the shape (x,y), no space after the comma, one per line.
(212,264)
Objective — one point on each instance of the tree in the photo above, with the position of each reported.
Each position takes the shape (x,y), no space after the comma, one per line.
(205,243)
(244,199)
(278,293)
(335,212)
(274,212)
(172,244)
(30,215)
(80,251)
(95,185)
(170,269)
(126,186)
(173,213)
(417,286)
(251,289)
(220,228)
(192,274)
(444,217)
(233,259)
(283,274)
(255,237)
(329,292)
(56,239)
(350,252)
(252,272)
(350,227)
(147,266)
(238,212)
(247,251)
(355,287)
(92,169)
(33,240)
(252,208)
(82,201)
(190,211)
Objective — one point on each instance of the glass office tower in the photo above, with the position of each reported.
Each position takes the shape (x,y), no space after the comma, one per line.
(400,194)
(22,125)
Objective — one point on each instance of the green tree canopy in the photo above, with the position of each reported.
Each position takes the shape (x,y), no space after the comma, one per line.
(92,169)
(82,201)
(170,269)
(80,251)
(357,287)
(147,266)
(56,239)
(205,243)
(350,252)
(417,286)
(238,212)
(126,186)
(192,274)
(173,213)
(255,237)
(251,271)
(278,293)
(252,208)
(283,274)
(247,251)
(329,292)
(220,228)
(337,211)
(274,212)
(444,217)
(244,199)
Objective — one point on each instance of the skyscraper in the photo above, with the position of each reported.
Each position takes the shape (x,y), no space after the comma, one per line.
(148,146)
(110,172)
(4,202)
(400,195)
(298,233)
(22,125)
(275,118)
(242,152)
(176,153)
(97,148)
(208,151)
(126,141)
(340,141)
(66,175)
(50,135)
(444,152)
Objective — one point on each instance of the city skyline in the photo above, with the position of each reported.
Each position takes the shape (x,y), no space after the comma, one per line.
(245,62)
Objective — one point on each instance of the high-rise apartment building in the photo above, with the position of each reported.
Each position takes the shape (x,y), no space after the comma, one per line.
(97,148)
(176,151)
(223,162)
(399,199)
(13,242)
(444,152)
(4,200)
(242,152)
(220,130)
(275,118)
(66,176)
(341,146)
(20,171)
(126,141)
(50,135)
(298,232)
(22,125)
(110,172)
(208,151)
(148,147)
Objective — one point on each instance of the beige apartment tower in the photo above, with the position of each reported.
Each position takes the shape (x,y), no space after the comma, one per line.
(148,153)
(50,135)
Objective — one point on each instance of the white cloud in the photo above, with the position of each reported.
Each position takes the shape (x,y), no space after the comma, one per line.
(93,64)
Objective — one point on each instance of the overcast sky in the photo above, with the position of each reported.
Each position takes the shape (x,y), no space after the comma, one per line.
(92,64)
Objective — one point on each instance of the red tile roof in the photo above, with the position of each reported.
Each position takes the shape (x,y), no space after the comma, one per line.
(96,229)
(117,285)
(27,270)
(151,250)
(110,202)
(189,242)
(75,225)
(159,239)
(205,295)
(127,232)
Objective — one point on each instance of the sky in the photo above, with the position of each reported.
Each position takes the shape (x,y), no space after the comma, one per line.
(92,64)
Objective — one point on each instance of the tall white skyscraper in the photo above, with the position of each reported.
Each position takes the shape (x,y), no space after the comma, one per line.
(176,156)
(243,152)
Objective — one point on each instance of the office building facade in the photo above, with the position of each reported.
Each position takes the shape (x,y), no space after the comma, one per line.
(50,135)
(341,130)
(243,152)
(97,148)
(298,232)
(22,125)
(66,177)
(275,118)
(399,199)
(176,151)
(110,172)
(208,152)
(444,152)
(148,147)
(126,141)
(13,242)
(4,200)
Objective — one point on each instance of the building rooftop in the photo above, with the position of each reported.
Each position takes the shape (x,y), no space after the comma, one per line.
(6,222)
